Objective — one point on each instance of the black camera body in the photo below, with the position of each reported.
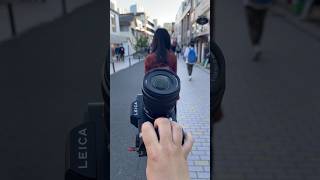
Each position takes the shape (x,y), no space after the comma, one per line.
(138,117)
(160,93)
(86,154)
(88,144)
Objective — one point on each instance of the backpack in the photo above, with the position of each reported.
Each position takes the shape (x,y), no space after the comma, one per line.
(192,58)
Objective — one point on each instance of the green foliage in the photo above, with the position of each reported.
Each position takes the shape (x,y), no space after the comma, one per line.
(141,43)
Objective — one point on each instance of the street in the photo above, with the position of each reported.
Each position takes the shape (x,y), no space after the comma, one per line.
(271,107)
(193,113)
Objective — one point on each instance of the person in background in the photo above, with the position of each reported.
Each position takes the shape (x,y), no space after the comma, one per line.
(174,46)
(178,50)
(161,55)
(117,52)
(183,48)
(122,50)
(149,49)
(256,11)
(191,57)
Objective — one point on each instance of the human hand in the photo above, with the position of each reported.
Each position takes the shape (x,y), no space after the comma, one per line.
(167,158)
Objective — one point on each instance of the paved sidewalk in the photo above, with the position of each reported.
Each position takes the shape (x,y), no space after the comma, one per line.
(271,124)
(123,64)
(193,114)
(193,110)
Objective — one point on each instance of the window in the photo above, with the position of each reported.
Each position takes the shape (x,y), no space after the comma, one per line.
(112,6)
(113,23)
(124,28)
(188,20)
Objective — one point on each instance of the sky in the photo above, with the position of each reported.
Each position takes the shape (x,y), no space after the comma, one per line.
(163,10)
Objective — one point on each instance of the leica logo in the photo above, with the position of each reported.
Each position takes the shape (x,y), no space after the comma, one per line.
(135,108)
(82,149)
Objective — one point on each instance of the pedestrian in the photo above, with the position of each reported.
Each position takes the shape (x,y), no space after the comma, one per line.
(117,52)
(256,11)
(173,47)
(160,55)
(191,58)
(183,48)
(178,50)
(122,53)
(149,49)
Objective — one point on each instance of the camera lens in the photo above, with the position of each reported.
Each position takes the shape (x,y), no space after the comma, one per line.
(160,82)
(160,91)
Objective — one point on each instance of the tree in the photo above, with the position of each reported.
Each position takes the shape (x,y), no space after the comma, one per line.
(141,43)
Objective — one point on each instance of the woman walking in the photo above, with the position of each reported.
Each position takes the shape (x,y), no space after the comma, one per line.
(161,55)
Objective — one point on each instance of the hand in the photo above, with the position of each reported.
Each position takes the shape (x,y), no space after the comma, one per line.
(167,158)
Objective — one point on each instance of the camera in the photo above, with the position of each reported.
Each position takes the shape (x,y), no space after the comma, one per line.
(87,146)
(160,92)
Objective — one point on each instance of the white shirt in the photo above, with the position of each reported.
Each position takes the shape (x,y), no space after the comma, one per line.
(186,52)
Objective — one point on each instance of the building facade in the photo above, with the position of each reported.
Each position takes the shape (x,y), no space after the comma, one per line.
(127,27)
(201,33)
(187,29)
(183,26)
(135,8)
(169,27)
(135,26)
(114,22)
(119,32)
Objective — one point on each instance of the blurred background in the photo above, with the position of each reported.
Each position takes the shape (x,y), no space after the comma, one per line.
(51,56)
(270,128)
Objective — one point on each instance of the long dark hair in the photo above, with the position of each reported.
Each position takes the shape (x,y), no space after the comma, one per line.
(161,44)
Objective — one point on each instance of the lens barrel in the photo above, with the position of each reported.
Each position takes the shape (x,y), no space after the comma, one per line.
(161,88)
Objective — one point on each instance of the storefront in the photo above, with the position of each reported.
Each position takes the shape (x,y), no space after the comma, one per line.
(201,30)
(202,47)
